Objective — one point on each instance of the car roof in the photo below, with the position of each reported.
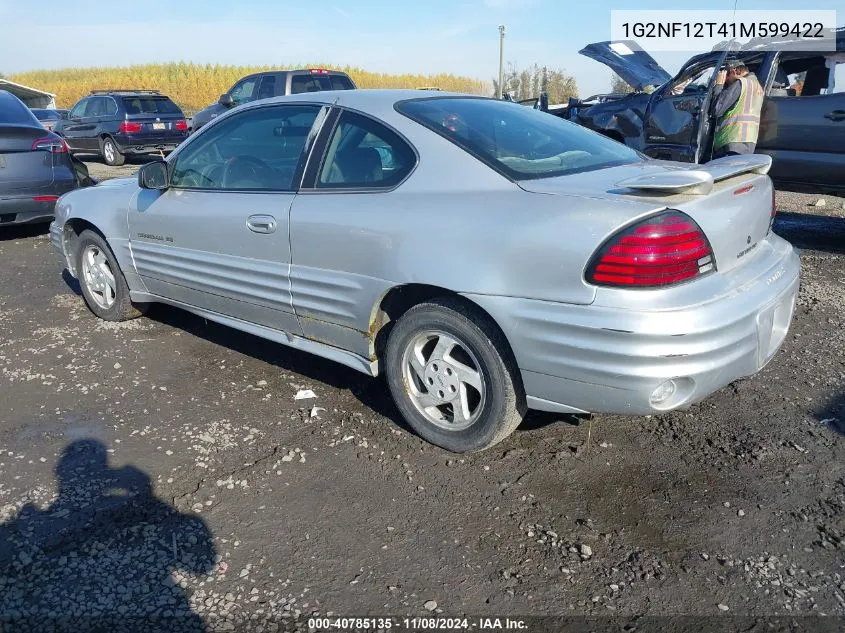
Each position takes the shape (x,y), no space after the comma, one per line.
(365,99)
(281,71)
(127,93)
(378,102)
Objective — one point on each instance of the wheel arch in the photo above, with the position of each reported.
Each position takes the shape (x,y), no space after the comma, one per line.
(396,301)
(71,230)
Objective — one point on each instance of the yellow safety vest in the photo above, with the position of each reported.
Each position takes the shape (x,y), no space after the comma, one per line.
(741,124)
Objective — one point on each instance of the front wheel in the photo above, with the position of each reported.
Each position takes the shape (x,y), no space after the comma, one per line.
(103,286)
(111,154)
(453,376)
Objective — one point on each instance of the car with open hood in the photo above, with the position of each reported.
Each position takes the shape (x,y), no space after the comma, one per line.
(802,122)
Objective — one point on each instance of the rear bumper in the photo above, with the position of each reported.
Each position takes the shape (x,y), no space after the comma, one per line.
(22,209)
(147,144)
(609,359)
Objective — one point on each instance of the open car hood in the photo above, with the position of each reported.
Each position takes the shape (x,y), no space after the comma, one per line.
(629,61)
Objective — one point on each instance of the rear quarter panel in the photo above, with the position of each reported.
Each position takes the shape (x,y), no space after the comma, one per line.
(455,223)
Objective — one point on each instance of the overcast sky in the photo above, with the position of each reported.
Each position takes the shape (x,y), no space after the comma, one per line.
(399,36)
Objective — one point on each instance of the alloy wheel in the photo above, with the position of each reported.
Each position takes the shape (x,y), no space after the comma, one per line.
(444,380)
(98,277)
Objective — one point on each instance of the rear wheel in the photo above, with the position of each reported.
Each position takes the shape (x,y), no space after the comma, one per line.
(103,285)
(111,155)
(453,376)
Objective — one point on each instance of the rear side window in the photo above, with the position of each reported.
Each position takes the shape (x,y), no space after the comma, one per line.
(341,82)
(316,83)
(97,106)
(15,112)
(305,83)
(364,154)
(150,105)
(520,143)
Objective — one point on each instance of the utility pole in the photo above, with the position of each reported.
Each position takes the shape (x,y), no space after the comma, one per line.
(501,59)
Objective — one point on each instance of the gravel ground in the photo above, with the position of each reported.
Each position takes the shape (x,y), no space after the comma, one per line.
(819,204)
(160,474)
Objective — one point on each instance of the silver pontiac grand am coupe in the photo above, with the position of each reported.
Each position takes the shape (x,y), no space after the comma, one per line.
(486,257)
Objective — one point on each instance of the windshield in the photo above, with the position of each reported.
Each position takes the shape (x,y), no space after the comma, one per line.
(519,142)
(150,105)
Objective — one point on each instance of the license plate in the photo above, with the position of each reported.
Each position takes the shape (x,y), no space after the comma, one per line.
(158,126)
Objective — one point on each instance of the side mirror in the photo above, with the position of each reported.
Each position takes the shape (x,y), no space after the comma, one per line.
(154,176)
(226,100)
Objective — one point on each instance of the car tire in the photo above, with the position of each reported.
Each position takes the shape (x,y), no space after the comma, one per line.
(111,155)
(103,286)
(477,371)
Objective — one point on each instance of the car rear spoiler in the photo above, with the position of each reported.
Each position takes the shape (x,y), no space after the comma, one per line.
(699,181)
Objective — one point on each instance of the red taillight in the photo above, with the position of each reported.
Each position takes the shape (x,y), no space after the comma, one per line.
(319,71)
(664,249)
(182,126)
(45,198)
(55,145)
(129,127)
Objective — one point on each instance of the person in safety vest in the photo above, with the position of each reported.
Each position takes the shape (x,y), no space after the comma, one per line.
(737,102)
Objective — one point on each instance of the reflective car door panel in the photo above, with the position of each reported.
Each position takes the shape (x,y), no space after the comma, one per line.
(336,251)
(333,305)
(218,238)
(671,129)
(806,138)
(197,248)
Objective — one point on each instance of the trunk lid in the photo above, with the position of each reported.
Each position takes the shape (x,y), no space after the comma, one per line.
(21,167)
(629,61)
(730,199)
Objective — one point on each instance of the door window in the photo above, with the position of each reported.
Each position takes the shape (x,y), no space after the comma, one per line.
(693,84)
(244,90)
(78,110)
(257,150)
(802,76)
(96,107)
(268,87)
(365,154)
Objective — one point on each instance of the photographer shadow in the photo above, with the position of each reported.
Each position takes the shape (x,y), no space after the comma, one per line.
(101,556)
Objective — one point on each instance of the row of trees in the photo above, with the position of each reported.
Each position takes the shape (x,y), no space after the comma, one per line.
(194,86)
(530,82)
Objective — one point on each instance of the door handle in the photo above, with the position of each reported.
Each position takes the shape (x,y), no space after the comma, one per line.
(261,223)
(836,115)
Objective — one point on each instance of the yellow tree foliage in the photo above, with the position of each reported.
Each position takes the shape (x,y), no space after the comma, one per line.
(195,86)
